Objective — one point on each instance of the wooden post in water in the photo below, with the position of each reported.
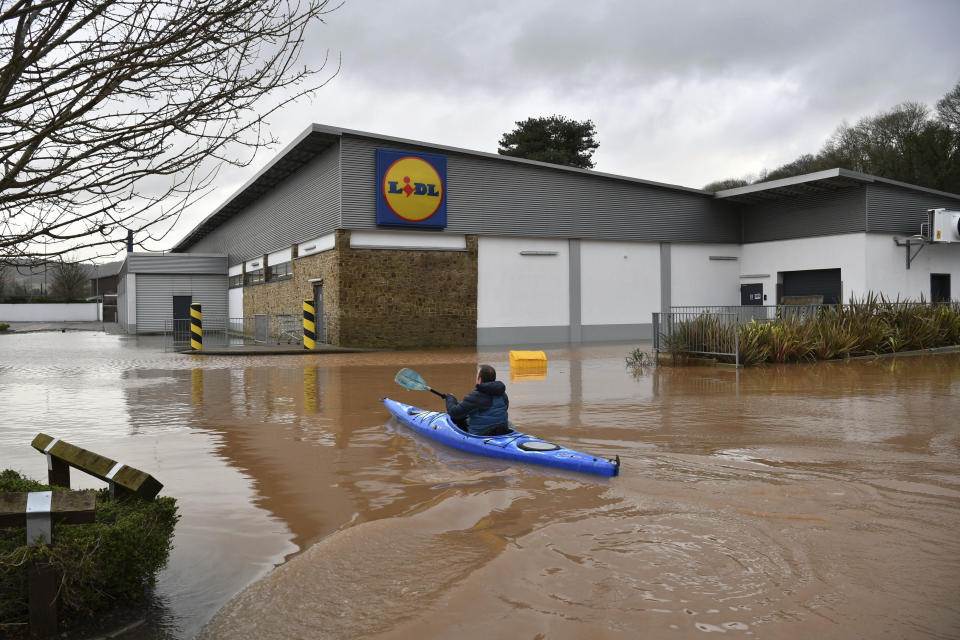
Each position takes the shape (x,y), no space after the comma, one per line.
(122,478)
(38,512)
(58,471)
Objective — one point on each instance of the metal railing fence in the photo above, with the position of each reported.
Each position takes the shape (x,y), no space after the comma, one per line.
(765,313)
(758,313)
(714,330)
(697,333)
(265,329)
(177,333)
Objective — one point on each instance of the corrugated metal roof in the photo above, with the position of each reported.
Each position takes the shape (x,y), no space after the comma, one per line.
(318,137)
(169,263)
(812,183)
(303,149)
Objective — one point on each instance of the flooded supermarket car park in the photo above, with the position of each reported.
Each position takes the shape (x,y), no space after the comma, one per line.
(776,502)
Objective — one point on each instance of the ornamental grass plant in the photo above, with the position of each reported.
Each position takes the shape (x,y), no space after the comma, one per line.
(704,333)
(869,326)
(110,562)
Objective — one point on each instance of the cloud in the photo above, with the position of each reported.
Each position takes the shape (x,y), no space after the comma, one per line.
(683,92)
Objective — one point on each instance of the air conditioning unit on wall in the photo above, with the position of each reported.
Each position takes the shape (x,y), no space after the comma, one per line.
(944,225)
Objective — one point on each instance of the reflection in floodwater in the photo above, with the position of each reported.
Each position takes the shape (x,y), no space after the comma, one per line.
(777,502)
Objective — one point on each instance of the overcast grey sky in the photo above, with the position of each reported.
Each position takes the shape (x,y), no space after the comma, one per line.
(683,91)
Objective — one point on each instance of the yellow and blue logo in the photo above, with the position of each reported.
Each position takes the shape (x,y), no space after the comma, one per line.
(411,188)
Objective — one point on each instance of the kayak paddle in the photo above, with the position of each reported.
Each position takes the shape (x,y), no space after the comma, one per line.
(410,379)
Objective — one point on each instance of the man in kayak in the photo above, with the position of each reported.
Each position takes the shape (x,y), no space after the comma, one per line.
(483,411)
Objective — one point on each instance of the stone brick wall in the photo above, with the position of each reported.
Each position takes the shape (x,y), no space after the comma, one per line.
(407,298)
(382,297)
(324,265)
(270,297)
(287,296)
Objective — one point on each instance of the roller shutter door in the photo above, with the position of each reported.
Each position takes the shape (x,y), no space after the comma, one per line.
(814,282)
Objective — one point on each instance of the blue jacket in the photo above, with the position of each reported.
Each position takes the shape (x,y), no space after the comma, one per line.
(484,407)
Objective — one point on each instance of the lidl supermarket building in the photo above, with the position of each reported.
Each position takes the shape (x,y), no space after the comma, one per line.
(405,243)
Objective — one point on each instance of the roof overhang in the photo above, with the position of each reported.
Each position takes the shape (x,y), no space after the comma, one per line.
(812,183)
(299,152)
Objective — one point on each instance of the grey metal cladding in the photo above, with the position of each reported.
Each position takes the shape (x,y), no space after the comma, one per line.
(155,299)
(488,196)
(176,263)
(894,209)
(806,216)
(304,206)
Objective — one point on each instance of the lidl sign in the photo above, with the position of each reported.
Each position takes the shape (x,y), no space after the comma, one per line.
(411,188)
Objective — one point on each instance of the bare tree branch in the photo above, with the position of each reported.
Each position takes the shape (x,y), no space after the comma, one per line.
(117,114)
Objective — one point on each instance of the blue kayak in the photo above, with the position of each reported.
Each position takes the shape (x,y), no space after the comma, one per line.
(512,446)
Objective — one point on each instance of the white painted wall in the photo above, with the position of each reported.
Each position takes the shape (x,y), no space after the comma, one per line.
(131,301)
(846,252)
(887,271)
(698,280)
(235,302)
(279,257)
(53,312)
(515,290)
(619,282)
(317,245)
(235,296)
(407,240)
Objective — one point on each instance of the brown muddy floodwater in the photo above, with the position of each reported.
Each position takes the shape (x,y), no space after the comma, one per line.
(784,502)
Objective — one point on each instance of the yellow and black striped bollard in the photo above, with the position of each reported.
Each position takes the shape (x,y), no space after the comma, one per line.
(310,389)
(309,325)
(196,327)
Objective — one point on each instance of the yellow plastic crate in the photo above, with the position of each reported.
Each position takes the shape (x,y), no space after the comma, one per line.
(528,365)
(527,357)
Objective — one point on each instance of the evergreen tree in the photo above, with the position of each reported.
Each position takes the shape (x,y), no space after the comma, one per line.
(556,139)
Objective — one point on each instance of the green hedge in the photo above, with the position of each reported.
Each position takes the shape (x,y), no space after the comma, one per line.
(108,563)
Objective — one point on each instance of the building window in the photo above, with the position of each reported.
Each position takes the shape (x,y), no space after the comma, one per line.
(236,281)
(281,271)
(253,277)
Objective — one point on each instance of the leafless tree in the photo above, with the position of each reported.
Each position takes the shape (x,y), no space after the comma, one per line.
(116,114)
(948,109)
(70,281)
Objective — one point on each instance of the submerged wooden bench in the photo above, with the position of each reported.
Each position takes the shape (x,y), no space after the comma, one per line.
(121,478)
(38,512)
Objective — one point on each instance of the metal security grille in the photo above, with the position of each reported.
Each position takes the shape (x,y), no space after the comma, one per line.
(277,328)
(177,333)
(756,313)
(698,333)
(259,330)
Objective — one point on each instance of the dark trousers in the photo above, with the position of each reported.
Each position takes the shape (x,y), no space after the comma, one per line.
(495,430)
